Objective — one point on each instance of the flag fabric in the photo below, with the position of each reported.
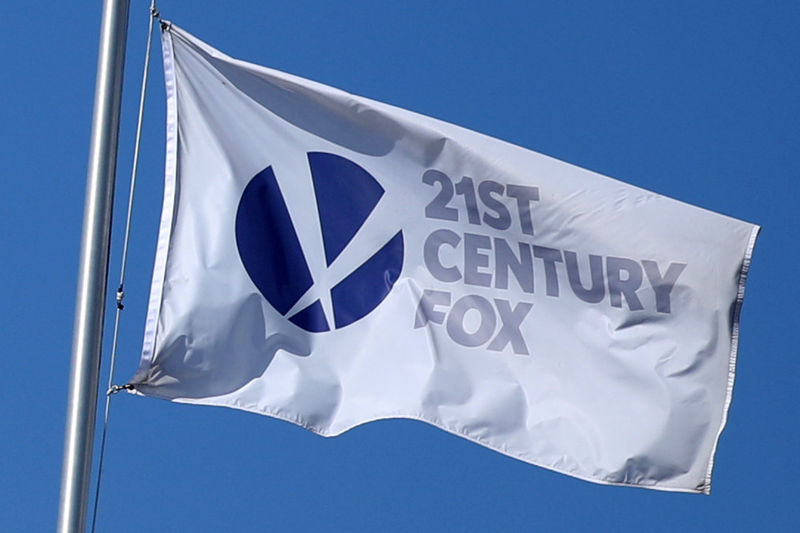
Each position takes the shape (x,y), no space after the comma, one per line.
(329,260)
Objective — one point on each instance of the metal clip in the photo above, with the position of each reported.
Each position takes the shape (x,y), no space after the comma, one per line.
(116,388)
(120,297)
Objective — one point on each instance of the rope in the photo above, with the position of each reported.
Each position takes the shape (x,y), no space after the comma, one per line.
(120,296)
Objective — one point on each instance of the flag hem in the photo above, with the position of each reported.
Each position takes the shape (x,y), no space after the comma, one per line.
(167,209)
(737,309)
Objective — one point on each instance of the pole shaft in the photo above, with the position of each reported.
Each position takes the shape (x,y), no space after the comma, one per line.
(93,270)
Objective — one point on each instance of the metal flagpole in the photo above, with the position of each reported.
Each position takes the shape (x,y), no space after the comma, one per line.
(93,270)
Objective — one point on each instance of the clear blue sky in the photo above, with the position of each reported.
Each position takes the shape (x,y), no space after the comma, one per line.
(693,100)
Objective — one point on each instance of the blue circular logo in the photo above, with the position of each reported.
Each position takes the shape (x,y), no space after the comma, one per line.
(270,250)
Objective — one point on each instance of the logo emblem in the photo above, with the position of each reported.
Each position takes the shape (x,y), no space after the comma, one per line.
(270,249)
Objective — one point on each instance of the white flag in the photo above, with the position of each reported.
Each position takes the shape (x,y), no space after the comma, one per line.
(329,260)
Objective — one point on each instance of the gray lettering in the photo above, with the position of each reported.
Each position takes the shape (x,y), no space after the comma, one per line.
(438,207)
(618,286)
(466,188)
(598,291)
(431,255)
(473,260)
(524,196)
(509,332)
(505,260)
(550,256)
(426,310)
(662,286)
(455,321)
(502,220)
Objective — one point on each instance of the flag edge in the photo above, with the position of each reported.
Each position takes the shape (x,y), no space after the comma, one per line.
(734,352)
(141,390)
(167,209)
